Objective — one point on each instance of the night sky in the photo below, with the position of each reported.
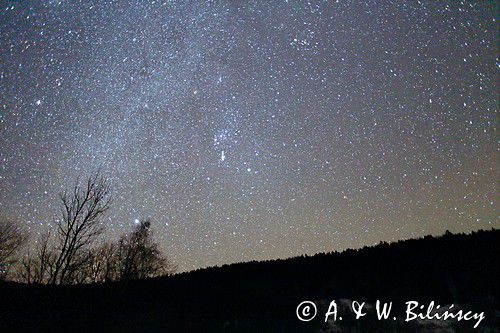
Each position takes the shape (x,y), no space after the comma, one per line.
(253,130)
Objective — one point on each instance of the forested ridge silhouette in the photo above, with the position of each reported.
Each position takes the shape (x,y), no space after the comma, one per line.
(263,296)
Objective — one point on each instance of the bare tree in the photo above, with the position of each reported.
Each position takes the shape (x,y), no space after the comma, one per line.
(11,240)
(78,228)
(108,268)
(38,267)
(134,256)
(138,256)
(103,265)
(70,254)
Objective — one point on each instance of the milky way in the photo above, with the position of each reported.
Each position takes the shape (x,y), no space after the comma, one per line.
(253,130)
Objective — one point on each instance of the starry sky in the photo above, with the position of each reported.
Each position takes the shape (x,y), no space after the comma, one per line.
(252,130)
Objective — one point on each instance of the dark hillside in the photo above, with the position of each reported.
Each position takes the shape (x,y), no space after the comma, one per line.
(263,296)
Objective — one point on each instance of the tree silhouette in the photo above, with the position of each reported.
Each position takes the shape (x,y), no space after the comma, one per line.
(38,267)
(103,267)
(11,240)
(138,256)
(70,255)
(79,227)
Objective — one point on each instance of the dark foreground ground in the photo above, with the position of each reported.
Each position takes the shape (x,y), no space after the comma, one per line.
(263,296)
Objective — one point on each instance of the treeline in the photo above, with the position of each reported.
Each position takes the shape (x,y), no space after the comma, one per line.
(263,296)
(74,251)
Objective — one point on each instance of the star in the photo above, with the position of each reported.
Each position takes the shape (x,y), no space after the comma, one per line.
(299,126)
